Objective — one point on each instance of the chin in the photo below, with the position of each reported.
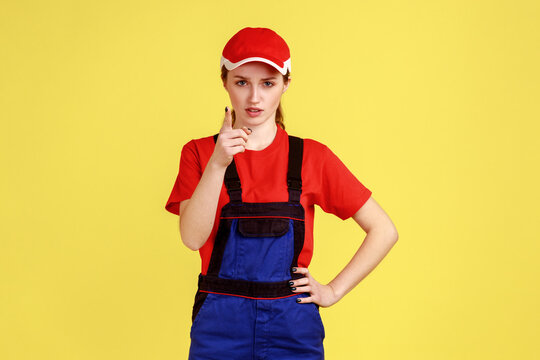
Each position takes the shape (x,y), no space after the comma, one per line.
(250,121)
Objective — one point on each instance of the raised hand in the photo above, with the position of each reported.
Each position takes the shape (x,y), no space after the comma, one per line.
(229,142)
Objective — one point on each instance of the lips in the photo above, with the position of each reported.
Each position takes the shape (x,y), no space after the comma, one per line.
(253,111)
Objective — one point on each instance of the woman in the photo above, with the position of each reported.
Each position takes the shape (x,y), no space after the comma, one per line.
(246,201)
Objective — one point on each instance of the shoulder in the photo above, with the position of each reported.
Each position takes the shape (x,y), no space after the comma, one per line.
(201,142)
(315,145)
(199,145)
(197,152)
(314,149)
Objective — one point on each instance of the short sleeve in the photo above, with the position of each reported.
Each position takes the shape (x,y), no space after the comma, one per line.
(188,177)
(342,194)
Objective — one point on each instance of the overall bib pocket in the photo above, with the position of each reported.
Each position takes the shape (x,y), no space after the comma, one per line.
(259,249)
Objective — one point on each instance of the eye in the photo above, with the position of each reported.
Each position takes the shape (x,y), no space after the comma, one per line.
(268,83)
(241,82)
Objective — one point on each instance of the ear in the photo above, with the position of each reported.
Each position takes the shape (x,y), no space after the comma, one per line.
(286,85)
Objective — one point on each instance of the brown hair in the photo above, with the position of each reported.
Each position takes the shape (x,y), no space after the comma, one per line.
(279,111)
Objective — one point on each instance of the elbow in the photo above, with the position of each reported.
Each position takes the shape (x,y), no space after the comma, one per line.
(395,236)
(190,245)
(190,242)
(386,231)
(391,232)
(194,234)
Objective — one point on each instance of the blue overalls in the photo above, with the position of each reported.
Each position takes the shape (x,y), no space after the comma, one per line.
(244,308)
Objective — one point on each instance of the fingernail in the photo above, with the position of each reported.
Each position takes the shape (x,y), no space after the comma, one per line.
(226,108)
(298,300)
(291,283)
(293,289)
(293,269)
(250,130)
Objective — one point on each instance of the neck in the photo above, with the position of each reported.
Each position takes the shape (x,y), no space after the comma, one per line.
(262,135)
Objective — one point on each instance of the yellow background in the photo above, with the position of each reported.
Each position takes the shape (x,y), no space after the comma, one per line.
(433,105)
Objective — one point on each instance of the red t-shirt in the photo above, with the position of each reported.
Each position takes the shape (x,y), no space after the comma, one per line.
(326,181)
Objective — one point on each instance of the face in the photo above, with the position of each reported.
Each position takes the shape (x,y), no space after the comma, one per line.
(255,90)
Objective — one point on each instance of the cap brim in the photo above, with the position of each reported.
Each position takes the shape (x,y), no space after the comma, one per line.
(230,65)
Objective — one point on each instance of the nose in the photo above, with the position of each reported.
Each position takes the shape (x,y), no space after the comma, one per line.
(254,95)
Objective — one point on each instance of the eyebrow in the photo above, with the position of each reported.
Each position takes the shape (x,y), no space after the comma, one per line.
(269,78)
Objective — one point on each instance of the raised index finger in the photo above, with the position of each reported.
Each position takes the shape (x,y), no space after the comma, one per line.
(227,120)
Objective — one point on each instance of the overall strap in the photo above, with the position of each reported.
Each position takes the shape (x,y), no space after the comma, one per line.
(294,173)
(232,181)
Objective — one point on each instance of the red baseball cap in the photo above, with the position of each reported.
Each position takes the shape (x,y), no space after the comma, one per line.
(256,44)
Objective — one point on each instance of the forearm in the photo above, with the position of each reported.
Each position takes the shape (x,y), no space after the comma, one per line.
(373,249)
(197,218)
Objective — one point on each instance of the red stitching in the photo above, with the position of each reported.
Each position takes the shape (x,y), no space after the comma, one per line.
(249,297)
(260,217)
